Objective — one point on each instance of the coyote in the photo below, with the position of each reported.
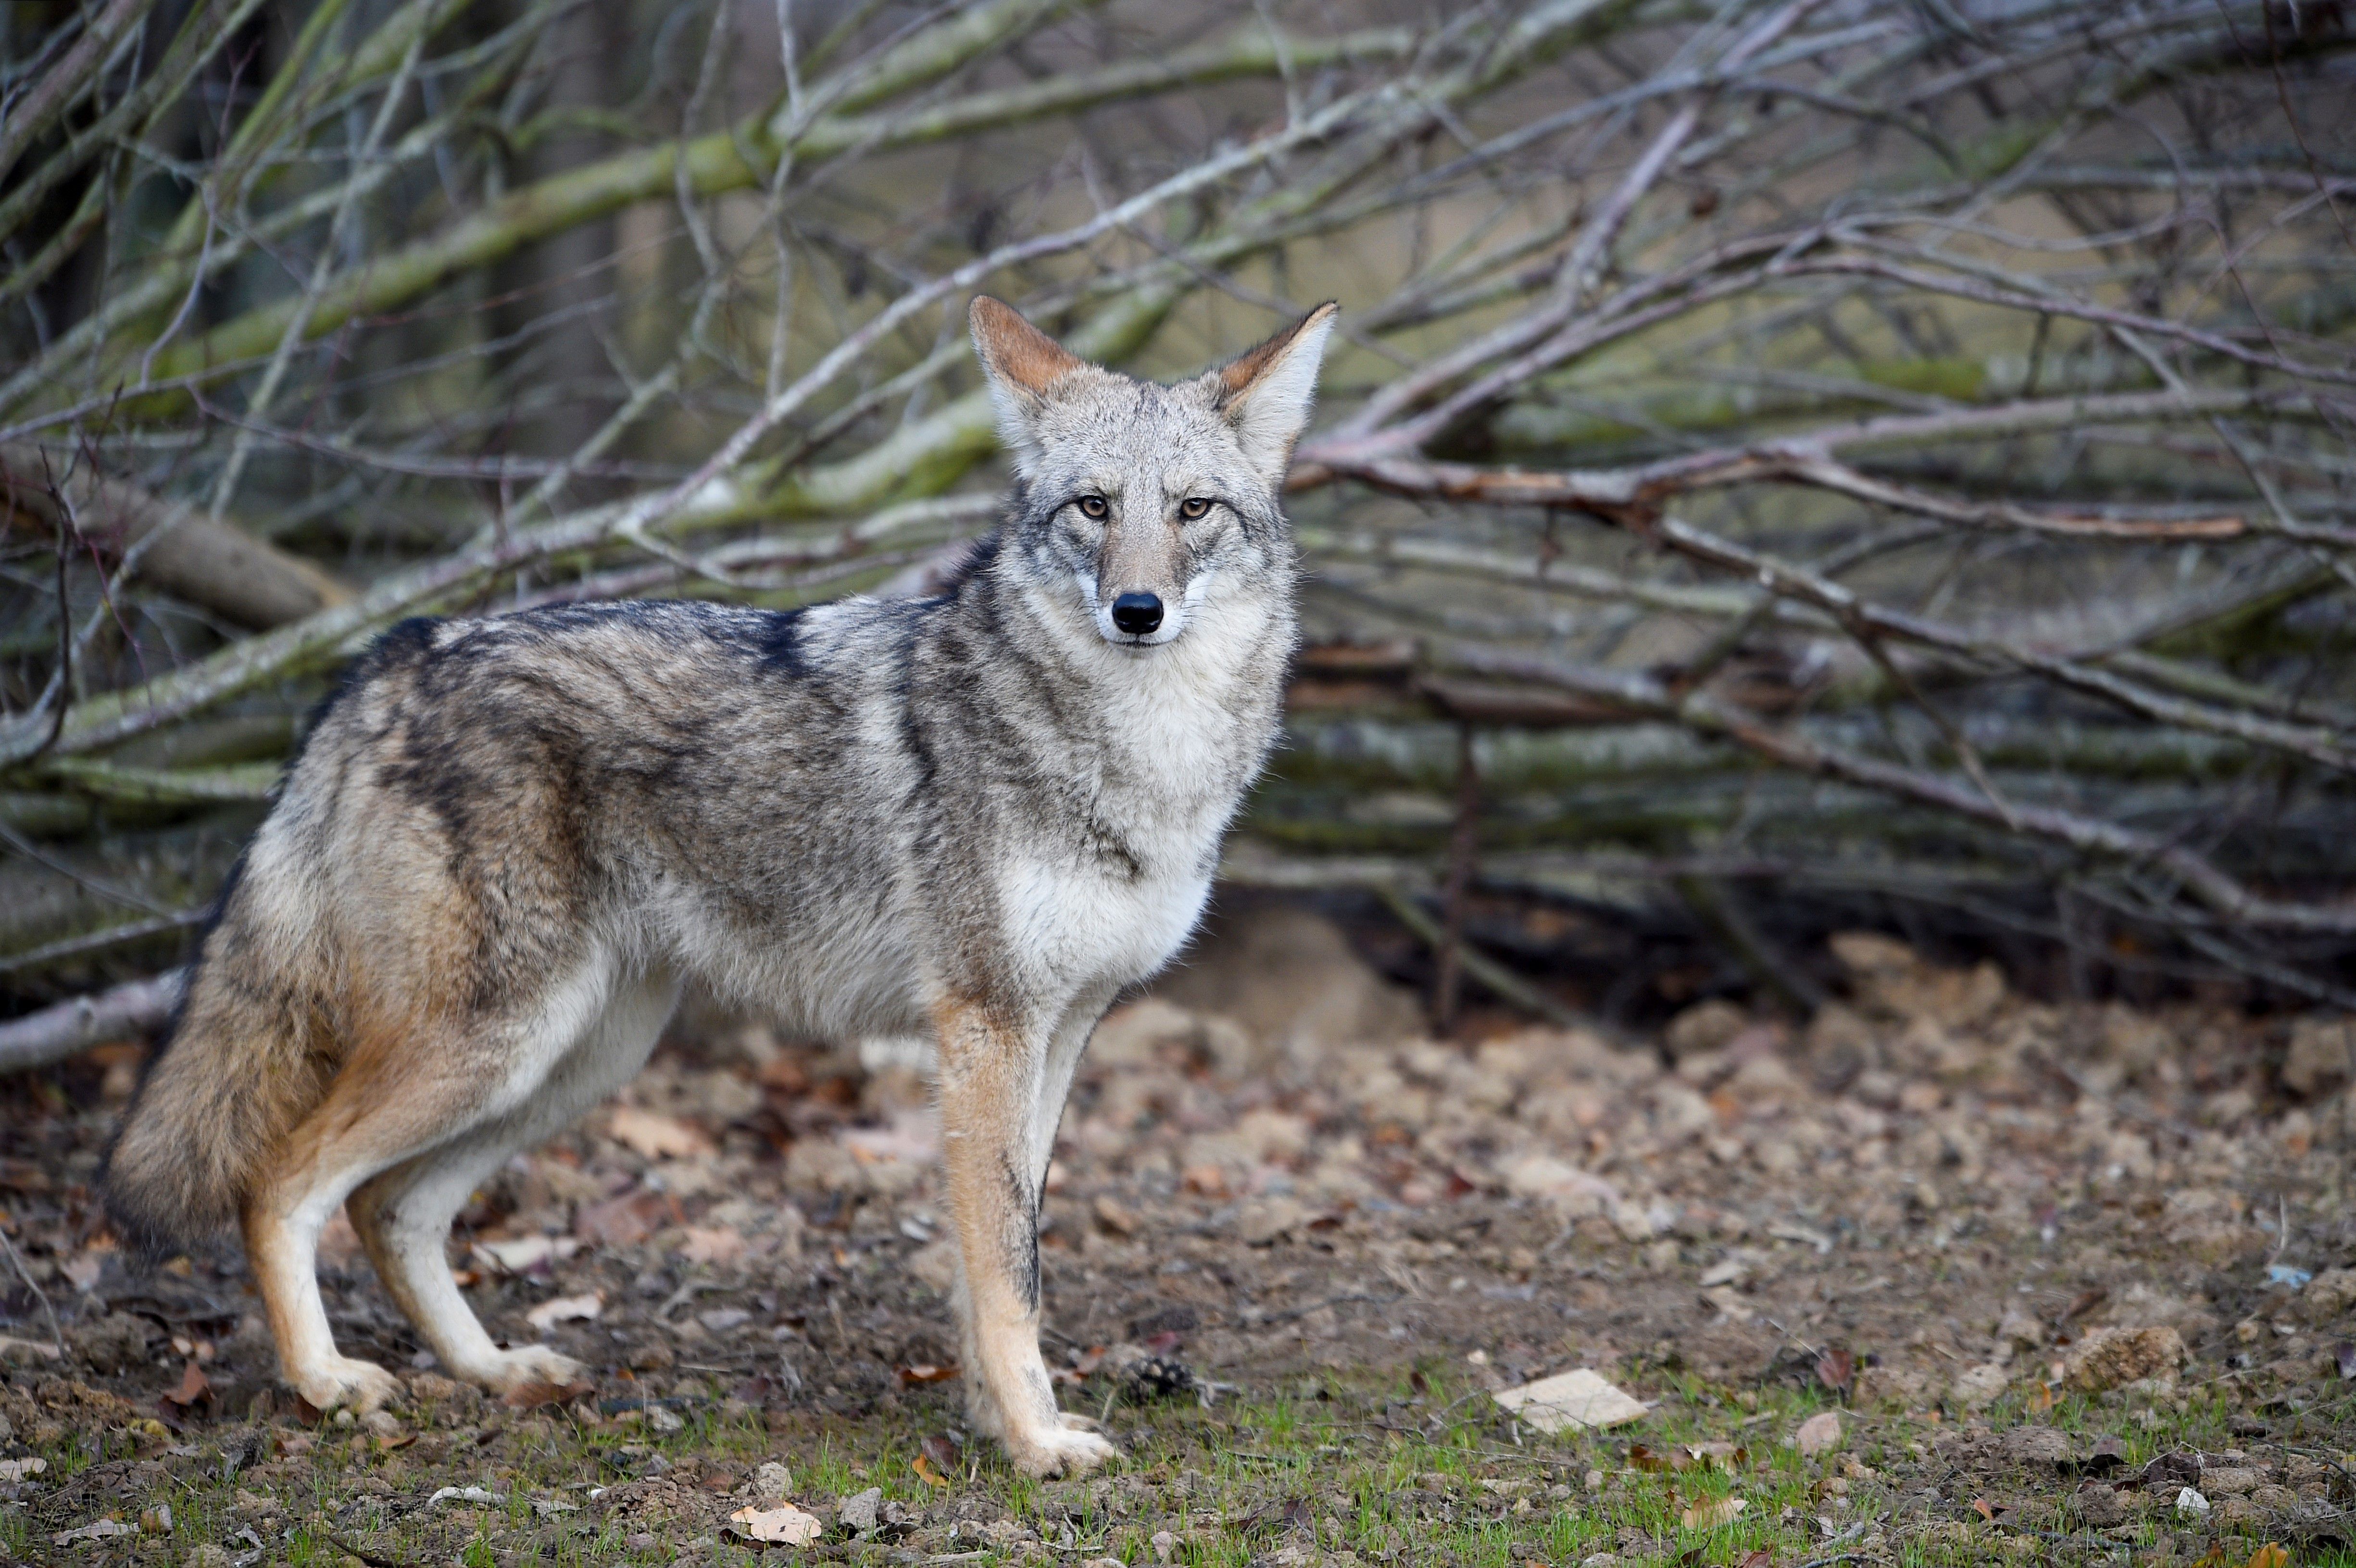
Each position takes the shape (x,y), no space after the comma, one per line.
(507,843)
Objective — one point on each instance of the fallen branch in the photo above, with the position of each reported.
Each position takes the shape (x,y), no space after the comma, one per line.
(54,1033)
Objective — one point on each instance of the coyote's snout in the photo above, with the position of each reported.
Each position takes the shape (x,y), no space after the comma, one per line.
(507,843)
(1154,498)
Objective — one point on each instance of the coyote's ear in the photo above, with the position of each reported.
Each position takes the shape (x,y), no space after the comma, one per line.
(1266,393)
(1022,363)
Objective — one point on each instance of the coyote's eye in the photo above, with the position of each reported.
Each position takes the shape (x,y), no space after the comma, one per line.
(1194,507)
(1093,506)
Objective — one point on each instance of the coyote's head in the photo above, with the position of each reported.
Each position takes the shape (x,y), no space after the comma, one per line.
(1144,502)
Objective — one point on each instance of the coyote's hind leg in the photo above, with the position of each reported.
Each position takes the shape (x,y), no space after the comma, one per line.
(404,1216)
(363,1126)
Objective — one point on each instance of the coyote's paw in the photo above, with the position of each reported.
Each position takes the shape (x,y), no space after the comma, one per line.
(532,1370)
(1068,1448)
(346,1384)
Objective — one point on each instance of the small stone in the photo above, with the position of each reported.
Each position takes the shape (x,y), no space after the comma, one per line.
(857,1512)
(1165,1546)
(2037,1445)
(2188,1500)
(1820,1433)
(773,1483)
(2231,1480)
(1269,1218)
(2111,1358)
(2099,1506)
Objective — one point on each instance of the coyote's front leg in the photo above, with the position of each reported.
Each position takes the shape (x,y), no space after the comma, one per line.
(994,1073)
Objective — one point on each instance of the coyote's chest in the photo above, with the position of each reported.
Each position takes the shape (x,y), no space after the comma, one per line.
(1110,894)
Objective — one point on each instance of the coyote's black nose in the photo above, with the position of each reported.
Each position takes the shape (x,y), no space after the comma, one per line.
(1136,614)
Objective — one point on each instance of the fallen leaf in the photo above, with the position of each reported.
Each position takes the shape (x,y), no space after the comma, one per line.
(1711,1513)
(536,1394)
(784,1525)
(18,1469)
(1643,1458)
(525,1254)
(1984,1508)
(927,1473)
(1578,1399)
(623,1221)
(659,1137)
(96,1529)
(1762,1558)
(2272,1555)
(193,1386)
(924,1372)
(712,1244)
(2041,1399)
(1837,1370)
(566,1309)
(1820,1433)
(943,1450)
(467,1494)
(84,1270)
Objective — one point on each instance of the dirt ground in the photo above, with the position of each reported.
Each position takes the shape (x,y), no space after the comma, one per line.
(2055,1272)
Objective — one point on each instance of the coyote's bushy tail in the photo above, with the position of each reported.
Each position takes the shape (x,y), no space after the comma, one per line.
(238,1069)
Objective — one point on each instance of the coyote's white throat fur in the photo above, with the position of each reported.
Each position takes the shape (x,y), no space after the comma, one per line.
(507,843)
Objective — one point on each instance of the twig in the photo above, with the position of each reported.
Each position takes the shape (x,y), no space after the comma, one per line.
(57,1335)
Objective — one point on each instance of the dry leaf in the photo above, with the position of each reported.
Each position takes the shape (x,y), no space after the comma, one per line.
(924,1372)
(1711,1513)
(784,1525)
(712,1244)
(536,1394)
(1578,1399)
(1837,1370)
(1820,1433)
(1984,1508)
(659,1137)
(566,1309)
(622,1222)
(1762,1558)
(2272,1555)
(84,1270)
(525,1254)
(194,1386)
(927,1473)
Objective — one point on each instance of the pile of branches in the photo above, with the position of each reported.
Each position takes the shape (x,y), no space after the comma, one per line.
(1776,445)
